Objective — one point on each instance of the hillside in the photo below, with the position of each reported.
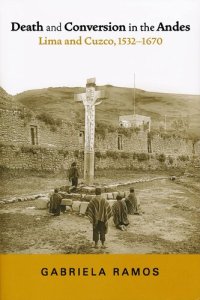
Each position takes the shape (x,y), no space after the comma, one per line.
(59,102)
(6,100)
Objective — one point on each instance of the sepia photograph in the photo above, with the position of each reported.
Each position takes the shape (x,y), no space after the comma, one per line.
(99,169)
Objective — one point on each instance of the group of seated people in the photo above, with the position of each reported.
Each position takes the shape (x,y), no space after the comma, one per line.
(120,209)
(99,211)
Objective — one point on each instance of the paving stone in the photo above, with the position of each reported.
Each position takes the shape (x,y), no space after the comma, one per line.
(109,196)
(83,207)
(109,189)
(67,202)
(76,206)
(63,194)
(104,195)
(10,201)
(15,199)
(88,189)
(68,208)
(73,196)
(42,203)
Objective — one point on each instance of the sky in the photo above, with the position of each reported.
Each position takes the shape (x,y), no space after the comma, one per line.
(173,67)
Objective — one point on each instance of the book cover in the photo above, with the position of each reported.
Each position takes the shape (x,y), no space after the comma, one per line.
(100,149)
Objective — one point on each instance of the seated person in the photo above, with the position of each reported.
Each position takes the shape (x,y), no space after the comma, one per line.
(119,210)
(132,203)
(55,203)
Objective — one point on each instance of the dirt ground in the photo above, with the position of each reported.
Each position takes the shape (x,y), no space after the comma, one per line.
(170,224)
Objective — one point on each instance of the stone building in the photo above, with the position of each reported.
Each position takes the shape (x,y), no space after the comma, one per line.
(135,121)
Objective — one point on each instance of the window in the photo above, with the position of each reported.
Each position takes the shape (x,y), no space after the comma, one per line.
(120,142)
(81,137)
(34,135)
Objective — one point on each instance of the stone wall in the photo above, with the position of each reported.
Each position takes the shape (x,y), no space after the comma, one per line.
(171,145)
(135,142)
(38,158)
(12,128)
(15,128)
(56,160)
(58,146)
(132,162)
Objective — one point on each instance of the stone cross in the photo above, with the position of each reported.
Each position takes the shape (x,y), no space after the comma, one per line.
(90,98)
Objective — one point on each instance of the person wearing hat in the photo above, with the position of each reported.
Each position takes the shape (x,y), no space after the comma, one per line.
(74,175)
(99,212)
(120,213)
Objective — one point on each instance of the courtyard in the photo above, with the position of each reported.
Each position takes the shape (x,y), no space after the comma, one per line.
(170,223)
